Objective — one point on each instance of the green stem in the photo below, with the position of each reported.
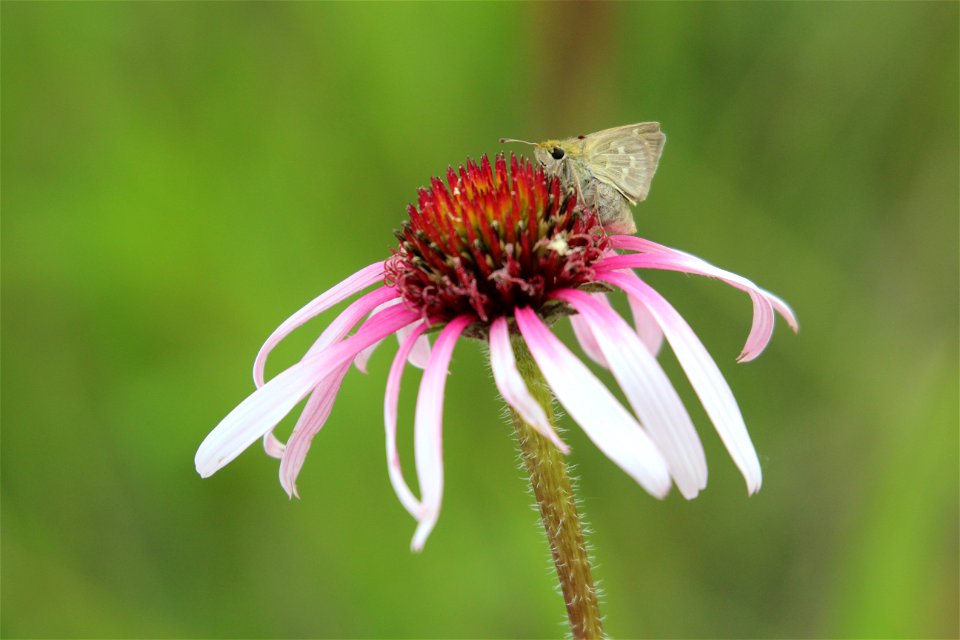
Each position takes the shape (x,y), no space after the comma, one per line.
(558,507)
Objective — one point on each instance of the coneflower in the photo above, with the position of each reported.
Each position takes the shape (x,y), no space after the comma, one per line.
(499,255)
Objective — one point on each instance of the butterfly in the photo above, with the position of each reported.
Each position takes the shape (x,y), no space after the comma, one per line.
(610,169)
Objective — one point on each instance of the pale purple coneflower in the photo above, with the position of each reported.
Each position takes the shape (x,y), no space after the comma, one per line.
(500,255)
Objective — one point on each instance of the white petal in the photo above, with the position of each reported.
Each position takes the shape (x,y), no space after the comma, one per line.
(512,387)
(605,421)
(428,430)
(707,381)
(258,414)
(653,398)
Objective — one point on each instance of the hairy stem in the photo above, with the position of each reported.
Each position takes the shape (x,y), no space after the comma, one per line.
(558,507)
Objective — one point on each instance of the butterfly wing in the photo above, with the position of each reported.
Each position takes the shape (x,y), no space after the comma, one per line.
(626,157)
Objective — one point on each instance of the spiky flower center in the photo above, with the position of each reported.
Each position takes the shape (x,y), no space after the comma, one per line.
(492,241)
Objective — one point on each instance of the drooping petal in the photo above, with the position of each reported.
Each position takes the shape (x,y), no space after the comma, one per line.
(512,387)
(258,414)
(372,303)
(605,421)
(360,362)
(646,326)
(390,400)
(702,267)
(647,388)
(263,409)
(761,329)
(420,354)
(311,420)
(705,377)
(320,403)
(357,282)
(272,445)
(336,330)
(428,430)
(657,256)
(587,341)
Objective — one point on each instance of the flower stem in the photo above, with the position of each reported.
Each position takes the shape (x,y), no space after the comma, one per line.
(558,508)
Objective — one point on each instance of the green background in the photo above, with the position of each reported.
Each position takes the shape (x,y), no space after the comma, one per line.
(179,177)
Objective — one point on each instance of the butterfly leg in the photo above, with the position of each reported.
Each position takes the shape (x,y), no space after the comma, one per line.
(581,200)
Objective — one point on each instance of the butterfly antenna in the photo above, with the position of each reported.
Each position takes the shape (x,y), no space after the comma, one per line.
(532,144)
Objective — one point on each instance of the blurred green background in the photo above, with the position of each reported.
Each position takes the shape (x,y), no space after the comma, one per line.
(179,177)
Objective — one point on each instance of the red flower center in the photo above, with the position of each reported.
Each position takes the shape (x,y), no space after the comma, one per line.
(493,241)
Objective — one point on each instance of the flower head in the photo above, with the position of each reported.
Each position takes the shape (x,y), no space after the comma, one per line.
(496,252)
(492,242)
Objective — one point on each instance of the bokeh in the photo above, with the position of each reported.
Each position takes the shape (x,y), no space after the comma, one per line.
(179,177)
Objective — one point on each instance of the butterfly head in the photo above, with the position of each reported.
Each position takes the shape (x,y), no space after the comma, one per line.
(550,153)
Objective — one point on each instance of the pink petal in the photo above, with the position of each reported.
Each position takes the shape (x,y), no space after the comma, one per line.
(272,445)
(360,362)
(512,387)
(263,409)
(311,420)
(390,400)
(428,431)
(357,282)
(372,303)
(587,340)
(636,243)
(705,268)
(337,329)
(420,354)
(647,388)
(707,381)
(320,403)
(646,326)
(605,421)
(657,256)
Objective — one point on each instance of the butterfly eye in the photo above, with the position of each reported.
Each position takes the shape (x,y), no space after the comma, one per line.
(557,153)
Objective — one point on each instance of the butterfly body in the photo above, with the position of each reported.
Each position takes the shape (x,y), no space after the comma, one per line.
(610,169)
